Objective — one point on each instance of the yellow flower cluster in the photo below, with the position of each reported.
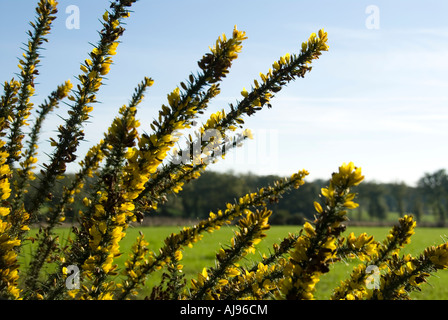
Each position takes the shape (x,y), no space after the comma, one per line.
(317,42)
(393,284)
(139,255)
(142,162)
(173,280)
(316,249)
(399,236)
(8,100)
(258,283)
(8,243)
(5,173)
(354,287)
(406,274)
(104,248)
(251,231)
(363,247)
(217,63)
(438,256)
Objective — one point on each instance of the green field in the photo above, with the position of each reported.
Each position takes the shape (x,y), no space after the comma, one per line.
(203,254)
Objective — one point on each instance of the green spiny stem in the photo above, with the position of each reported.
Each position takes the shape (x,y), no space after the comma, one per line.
(41,28)
(71,134)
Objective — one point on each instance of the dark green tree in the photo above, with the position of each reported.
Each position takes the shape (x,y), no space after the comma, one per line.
(377,207)
(435,187)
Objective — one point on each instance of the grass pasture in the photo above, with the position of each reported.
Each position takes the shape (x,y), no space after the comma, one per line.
(203,254)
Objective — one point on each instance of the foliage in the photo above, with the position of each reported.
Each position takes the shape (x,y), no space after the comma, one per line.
(435,187)
(134,174)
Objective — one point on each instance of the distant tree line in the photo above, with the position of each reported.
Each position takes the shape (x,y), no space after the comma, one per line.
(426,201)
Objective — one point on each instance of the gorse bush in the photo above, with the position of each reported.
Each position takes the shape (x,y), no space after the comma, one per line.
(136,171)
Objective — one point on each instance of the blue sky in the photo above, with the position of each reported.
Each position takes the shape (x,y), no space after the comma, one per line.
(377,98)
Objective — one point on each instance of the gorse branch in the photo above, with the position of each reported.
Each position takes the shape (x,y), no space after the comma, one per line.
(398,237)
(406,274)
(46,13)
(251,232)
(25,173)
(316,249)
